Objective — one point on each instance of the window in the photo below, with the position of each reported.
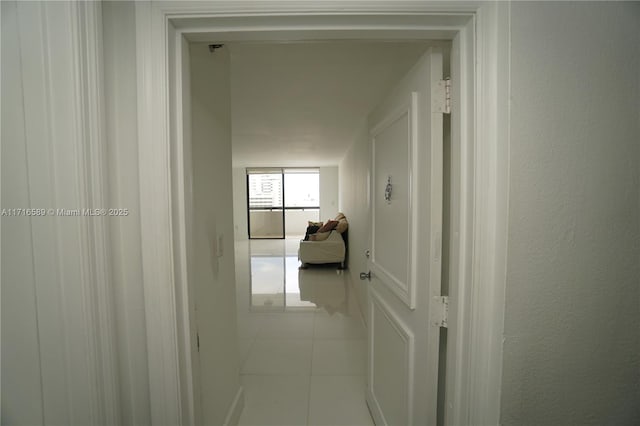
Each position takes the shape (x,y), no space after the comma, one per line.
(303,188)
(281,201)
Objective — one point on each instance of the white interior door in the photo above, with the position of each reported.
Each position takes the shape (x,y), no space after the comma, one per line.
(405,251)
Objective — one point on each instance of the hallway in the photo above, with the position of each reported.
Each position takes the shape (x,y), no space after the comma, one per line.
(301,340)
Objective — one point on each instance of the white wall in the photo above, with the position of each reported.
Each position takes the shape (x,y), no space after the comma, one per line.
(118,19)
(329,192)
(213,201)
(354,203)
(572,320)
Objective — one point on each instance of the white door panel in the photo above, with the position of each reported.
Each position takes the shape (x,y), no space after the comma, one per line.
(393,346)
(406,228)
(394,143)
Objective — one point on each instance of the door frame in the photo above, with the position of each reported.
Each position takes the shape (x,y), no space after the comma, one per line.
(479,184)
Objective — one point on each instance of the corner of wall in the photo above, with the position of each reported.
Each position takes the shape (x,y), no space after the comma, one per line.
(354,203)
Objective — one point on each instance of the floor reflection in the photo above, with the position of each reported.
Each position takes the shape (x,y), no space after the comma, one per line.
(278,285)
(328,294)
(301,339)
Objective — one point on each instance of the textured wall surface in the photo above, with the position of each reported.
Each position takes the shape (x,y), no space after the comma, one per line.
(118,22)
(572,320)
(58,349)
(22,395)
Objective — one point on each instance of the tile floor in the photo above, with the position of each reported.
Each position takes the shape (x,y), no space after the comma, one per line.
(302,342)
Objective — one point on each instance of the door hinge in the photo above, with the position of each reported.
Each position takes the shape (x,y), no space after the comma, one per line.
(442,96)
(198,341)
(441,311)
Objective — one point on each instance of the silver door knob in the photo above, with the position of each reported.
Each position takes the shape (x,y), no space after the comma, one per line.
(365,276)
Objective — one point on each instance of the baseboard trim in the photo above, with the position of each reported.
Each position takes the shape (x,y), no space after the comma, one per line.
(233,416)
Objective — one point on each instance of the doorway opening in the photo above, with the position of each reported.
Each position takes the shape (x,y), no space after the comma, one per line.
(478,62)
(307,95)
(280,101)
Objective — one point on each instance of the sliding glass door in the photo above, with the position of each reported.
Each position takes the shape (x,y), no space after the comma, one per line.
(281,201)
(265,193)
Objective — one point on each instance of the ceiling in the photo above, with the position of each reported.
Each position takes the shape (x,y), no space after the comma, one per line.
(303,104)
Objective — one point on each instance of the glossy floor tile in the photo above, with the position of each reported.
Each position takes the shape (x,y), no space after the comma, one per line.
(332,357)
(338,400)
(337,326)
(275,400)
(283,326)
(279,356)
(301,340)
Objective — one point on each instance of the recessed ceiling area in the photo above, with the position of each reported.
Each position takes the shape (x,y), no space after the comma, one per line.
(304,103)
